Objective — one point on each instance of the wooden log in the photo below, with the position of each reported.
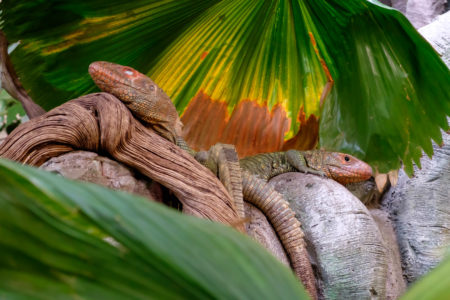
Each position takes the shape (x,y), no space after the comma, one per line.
(101,123)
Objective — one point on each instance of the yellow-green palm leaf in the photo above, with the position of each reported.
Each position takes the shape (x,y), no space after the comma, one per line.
(251,72)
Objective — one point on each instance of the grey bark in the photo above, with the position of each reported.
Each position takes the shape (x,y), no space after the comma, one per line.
(395,283)
(347,246)
(420,209)
(420,12)
(438,35)
(90,167)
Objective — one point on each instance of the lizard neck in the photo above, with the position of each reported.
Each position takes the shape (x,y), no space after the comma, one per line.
(180,142)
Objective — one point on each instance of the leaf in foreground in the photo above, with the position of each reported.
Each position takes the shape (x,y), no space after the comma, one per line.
(433,286)
(65,239)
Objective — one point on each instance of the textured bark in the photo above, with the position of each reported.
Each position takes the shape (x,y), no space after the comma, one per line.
(101,123)
(348,248)
(395,283)
(420,209)
(423,12)
(438,35)
(419,12)
(90,167)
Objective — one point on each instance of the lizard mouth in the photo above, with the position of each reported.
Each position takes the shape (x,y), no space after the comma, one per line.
(345,176)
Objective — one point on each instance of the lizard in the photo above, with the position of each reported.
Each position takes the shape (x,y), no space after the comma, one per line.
(143,97)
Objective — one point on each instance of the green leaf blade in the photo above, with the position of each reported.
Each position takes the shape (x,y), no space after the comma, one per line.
(85,240)
(433,286)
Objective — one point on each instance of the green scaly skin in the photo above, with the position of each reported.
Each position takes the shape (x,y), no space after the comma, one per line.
(268,165)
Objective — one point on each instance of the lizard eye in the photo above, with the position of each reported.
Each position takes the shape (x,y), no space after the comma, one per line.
(128,72)
(347,158)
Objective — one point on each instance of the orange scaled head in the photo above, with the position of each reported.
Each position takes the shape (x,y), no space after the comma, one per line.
(341,167)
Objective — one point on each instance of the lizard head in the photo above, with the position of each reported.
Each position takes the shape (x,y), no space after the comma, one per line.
(341,167)
(146,100)
(124,82)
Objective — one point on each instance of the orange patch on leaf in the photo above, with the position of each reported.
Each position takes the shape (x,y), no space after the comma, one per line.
(308,135)
(330,80)
(252,128)
(204,121)
(322,62)
(204,54)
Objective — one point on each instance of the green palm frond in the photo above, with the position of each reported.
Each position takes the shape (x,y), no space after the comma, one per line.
(252,65)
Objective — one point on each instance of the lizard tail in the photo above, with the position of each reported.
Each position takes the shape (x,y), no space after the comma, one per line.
(265,197)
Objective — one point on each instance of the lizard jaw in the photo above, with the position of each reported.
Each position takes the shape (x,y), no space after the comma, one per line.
(346,175)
